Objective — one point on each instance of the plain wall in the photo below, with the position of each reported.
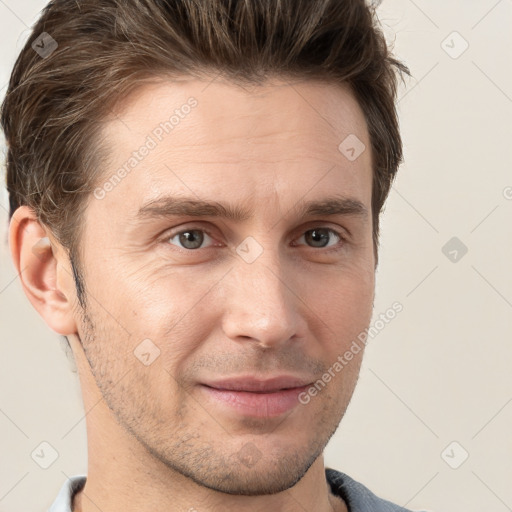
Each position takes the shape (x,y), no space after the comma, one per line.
(439,372)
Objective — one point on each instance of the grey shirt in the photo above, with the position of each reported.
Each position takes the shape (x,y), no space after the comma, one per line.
(357,497)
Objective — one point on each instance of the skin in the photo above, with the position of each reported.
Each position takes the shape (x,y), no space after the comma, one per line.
(155,440)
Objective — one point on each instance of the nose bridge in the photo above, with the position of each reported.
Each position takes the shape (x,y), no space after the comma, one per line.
(261,305)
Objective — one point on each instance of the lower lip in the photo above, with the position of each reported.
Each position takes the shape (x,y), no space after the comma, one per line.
(261,405)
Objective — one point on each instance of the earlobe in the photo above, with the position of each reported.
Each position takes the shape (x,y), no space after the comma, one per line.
(42,266)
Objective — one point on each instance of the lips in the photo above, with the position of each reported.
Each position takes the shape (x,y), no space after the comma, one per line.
(255,385)
(256,397)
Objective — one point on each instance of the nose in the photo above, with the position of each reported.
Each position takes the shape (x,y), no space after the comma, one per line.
(262,306)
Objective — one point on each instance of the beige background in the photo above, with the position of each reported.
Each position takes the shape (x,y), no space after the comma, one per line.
(440,371)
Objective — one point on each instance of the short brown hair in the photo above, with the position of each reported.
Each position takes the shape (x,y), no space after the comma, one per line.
(106,48)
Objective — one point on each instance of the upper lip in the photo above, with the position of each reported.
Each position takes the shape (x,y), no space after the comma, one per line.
(258,384)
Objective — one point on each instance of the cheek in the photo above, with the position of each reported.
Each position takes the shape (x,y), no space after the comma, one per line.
(346,299)
(147,294)
(345,309)
(172,308)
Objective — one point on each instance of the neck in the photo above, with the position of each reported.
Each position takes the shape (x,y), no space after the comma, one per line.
(132,481)
(123,475)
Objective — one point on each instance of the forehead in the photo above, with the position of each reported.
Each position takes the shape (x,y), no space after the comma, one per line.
(214,139)
(229,113)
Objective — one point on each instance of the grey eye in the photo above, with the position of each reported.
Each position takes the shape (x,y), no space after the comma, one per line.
(190,239)
(320,237)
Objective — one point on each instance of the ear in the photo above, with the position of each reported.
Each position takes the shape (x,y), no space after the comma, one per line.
(44,270)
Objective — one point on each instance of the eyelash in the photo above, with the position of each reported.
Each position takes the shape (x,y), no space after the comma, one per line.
(336,247)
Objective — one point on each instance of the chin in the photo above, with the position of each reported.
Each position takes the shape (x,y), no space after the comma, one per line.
(255,482)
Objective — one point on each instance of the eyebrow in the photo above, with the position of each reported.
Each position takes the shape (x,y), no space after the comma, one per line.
(169,206)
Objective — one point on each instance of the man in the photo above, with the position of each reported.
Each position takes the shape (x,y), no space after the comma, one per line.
(195,190)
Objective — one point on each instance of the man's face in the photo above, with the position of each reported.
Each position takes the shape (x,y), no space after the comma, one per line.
(197,322)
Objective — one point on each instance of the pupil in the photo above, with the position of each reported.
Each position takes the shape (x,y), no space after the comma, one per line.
(191,239)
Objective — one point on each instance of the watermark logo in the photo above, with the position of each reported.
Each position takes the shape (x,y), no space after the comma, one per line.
(352,147)
(44,455)
(146,352)
(249,250)
(249,455)
(44,45)
(454,45)
(454,455)
(454,249)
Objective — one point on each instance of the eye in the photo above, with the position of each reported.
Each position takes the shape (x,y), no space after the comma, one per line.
(321,237)
(189,239)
